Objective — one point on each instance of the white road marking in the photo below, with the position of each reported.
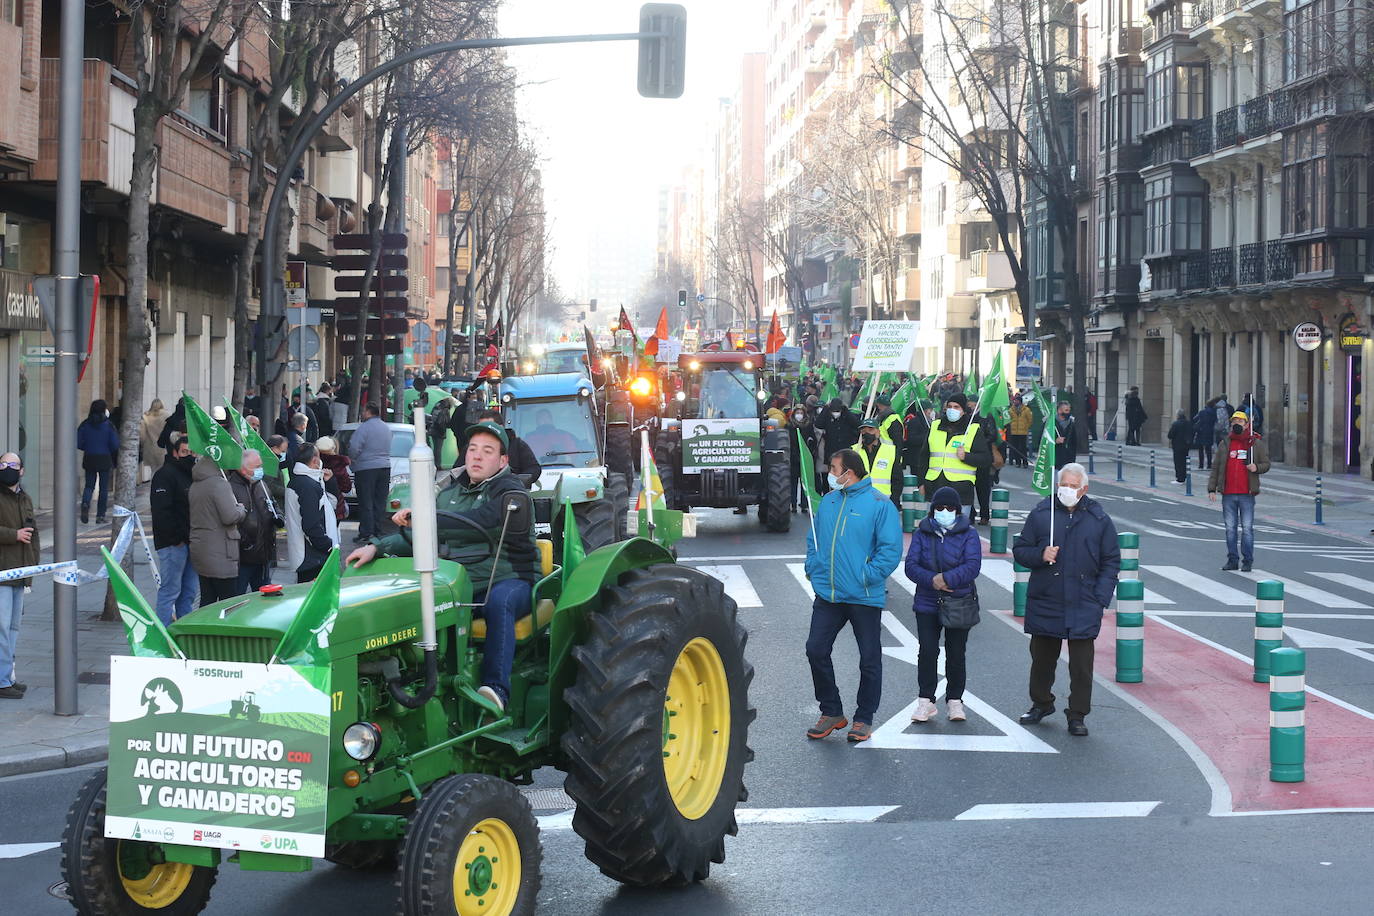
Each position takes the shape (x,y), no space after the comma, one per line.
(737,584)
(999,572)
(798,571)
(19,850)
(1302,590)
(850,814)
(899,576)
(1250,616)
(1057,810)
(1310,639)
(1359,583)
(1223,594)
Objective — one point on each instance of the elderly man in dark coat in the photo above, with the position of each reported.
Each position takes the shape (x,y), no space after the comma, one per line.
(1070,545)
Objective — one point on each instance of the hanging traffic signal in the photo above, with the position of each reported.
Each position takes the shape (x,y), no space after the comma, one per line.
(682,298)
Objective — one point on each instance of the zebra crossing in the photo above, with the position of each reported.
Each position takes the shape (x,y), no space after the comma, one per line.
(1169,589)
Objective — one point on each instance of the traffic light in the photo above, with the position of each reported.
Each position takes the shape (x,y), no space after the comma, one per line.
(682,298)
(662,60)
(592,306)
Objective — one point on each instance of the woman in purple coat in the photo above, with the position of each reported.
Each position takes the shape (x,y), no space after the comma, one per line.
(945,558)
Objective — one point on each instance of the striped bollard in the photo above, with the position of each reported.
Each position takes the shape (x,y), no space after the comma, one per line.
(1119,475)
(1268,625)
(1001,512)
(1130,631)
(911,496)
(1019,588)
(1129,542)
(1152,469)
(1287,714)
(1319,500)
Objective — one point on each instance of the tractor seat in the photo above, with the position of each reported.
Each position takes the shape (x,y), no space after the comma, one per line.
(526,626)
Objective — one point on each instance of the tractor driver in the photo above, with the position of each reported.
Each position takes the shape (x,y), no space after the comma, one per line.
(548,441)
(475,491)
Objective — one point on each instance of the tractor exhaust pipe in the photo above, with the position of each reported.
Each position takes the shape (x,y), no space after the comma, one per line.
(424,525)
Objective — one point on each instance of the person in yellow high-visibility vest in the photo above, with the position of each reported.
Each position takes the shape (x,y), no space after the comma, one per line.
(953,452)
(880,461)
(889,424)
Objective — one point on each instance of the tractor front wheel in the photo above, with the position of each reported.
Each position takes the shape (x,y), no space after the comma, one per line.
(472,848)
(108,877)
(777,503)
(618,495)
(595,522)
(660,717)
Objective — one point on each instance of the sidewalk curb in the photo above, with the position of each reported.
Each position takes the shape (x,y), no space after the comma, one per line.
(40,758)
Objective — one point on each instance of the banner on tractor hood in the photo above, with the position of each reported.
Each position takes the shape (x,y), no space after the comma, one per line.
(227,754)
(710,444)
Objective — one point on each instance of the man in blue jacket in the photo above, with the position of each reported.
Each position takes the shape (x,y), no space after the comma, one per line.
(856,545)
(1071,584)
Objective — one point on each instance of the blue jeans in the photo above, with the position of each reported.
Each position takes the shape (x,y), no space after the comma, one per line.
(827,620)
(507,602)
(104,477)
(1238,509)
(253,576)
(176,596)
(11,609)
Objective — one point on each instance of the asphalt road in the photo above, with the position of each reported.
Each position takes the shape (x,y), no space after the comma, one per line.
(946,817)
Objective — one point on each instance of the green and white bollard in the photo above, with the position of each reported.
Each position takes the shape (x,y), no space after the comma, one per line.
(1287,714)
(1001,512)
(1268,625)
(1130,631)
(912,503)
(1129,543)
(1019,588)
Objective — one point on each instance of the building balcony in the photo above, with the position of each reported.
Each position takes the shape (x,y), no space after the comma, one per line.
(1195,273)
(909,286)
(989,271)
(1278,262)
(1225,127)
(1199,140)
(18,98)
(1250,265)
(815,26)
(1221,263)
(336,174)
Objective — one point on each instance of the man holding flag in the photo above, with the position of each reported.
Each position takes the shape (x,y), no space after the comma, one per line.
(1069,543)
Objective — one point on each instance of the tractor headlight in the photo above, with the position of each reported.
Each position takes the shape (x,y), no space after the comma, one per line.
(694,366)
(530,367)
(748,365)
(361,740)
(761,395)
(641,387)
(681,395)
(507,398)
(584,392)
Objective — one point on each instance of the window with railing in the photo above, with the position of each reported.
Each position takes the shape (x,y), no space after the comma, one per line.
(1250,265)
(1222,268)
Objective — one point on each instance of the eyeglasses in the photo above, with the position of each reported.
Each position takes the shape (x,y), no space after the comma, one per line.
(11,464)
(950,508)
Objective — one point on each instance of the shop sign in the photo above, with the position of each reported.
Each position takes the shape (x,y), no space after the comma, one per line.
(1352,333)
(21,309)
(1308,336)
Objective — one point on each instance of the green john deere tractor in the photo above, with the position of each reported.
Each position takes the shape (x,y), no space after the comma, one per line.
(373,747)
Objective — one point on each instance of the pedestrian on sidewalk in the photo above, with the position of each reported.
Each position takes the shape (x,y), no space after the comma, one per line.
(215,516)
(1181,441)
(1223,410)
(98,442)
(1069,544)
(258,530)
(296,436)
(1235,475)
(1135,416)
(803,435)
(150,455)
(1065,437)
(1204,425)
(849,577)
(1018,433)
(370,451)
(1090,406)
(944,560)
(18,548)
(171,510)
(311,527)
(986,477)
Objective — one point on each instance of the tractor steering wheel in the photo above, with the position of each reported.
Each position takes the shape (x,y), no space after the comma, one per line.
(458,518)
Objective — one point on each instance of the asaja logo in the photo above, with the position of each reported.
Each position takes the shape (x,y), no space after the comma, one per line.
(214,452)
(160,697)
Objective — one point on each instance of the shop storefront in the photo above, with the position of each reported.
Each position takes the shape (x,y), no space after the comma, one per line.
(26,363)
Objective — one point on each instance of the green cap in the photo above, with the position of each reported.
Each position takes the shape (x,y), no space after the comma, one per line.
(868,423)
(487,426)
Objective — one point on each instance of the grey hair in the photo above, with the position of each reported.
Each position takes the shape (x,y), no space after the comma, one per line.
(1073,467)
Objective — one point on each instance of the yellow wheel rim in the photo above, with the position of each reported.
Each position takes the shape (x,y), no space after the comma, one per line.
(486,877)
(696,728)
(152,886)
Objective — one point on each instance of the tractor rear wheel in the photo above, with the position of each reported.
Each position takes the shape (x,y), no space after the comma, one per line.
(472,848)
(666,461)
(777,482)
(108,877)
(620,451)
(595,522)
(659,728)
(618,495)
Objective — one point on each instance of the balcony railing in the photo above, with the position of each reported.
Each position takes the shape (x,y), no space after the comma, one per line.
(1201,14)
(1195,270)
(1225,129)
(1279,261)
(1251,263)
(1222,268)
(1147,35)
(1200,139)
(1256,117)
(1280,110)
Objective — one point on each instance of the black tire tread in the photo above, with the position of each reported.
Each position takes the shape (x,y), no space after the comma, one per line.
(778,498)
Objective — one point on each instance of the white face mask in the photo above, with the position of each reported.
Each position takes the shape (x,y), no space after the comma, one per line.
(953,414)
(834,482)
(1068,496)
(945,517)
(834,414)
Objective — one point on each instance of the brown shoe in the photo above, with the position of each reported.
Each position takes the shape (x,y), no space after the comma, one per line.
(825,725)
(861,731)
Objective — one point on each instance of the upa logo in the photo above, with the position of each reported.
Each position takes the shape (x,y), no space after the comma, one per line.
(266,841)
(160,697)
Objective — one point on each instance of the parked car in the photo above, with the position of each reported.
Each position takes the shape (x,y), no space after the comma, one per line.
(402,438)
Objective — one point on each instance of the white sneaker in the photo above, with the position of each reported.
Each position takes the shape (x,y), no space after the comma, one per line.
(925,711)
(956,710)
(490,695)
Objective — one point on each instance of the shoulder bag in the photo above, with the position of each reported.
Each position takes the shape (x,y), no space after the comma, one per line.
(956,613)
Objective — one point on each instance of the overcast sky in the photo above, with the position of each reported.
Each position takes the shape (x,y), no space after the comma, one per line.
(606,150)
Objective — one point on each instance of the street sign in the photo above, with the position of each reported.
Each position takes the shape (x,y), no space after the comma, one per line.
(375,326)
(294,281)
(307,316)
(662,60)
(350,305)
(40,356)
(294,365)
(306,338)
(390,283)
(362,241)
(886,346)
(360,262)
(1308,336)
(701,297)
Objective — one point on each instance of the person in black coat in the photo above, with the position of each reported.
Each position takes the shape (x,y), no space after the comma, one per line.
(840,427)
(1135,416)
(98,442)
(801,423)
(258,530)
(1069,544)
(1181,441)
(1204,433)
(1065,437)
(176,423)
(171,514)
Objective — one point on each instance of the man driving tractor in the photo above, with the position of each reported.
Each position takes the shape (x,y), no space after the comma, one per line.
(502,582)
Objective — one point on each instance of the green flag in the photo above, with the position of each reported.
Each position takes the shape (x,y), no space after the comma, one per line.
(210,439)
(306,640)
(573,551)
(971,385)
(253,442)
(807,472)
(902,399)
(148,638)
(994,401)
(1042,475)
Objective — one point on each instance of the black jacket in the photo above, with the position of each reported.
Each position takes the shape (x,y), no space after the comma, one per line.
(840,432)
(1066,451)
(1135,411)
(258,530)
(170,506)
(1181,435)
(313,528)
(1067,600)
(324,415)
